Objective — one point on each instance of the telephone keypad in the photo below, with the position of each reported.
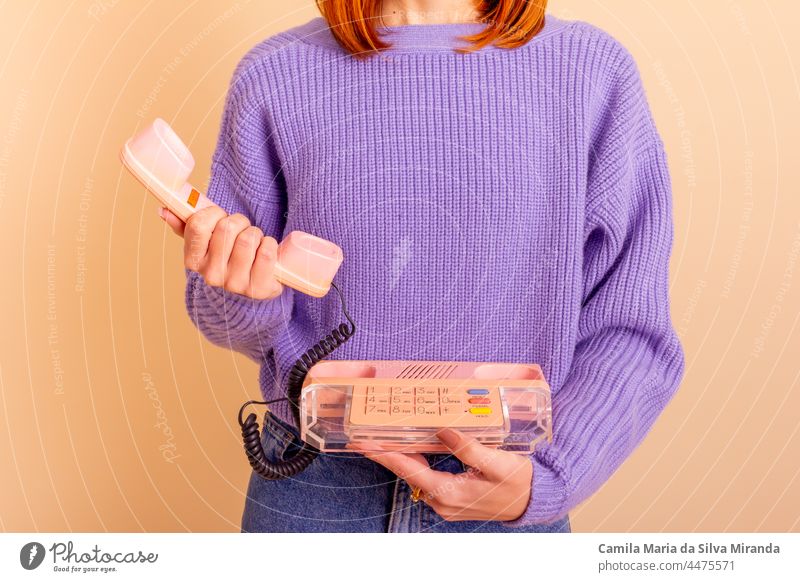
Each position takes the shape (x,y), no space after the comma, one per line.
(426,406)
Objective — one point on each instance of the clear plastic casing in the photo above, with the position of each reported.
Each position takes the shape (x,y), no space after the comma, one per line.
(400,405)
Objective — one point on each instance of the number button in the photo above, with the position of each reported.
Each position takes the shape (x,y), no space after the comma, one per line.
(451,400)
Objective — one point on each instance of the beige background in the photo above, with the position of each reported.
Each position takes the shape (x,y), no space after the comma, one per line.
(97,348)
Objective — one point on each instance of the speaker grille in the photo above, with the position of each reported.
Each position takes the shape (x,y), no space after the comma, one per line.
(428,371)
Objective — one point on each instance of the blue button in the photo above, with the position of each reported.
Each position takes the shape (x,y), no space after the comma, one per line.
(478,391)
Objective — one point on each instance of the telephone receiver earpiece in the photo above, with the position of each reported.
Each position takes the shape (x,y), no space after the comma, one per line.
(158,158)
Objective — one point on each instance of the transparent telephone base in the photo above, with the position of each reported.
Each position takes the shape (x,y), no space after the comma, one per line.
(393,405)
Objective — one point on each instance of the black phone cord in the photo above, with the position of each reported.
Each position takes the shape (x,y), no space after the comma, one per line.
(251,433)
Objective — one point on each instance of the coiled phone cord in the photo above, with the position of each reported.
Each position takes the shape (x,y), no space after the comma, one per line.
(251,434)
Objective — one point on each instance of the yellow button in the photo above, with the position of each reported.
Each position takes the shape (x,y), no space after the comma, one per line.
(480,410)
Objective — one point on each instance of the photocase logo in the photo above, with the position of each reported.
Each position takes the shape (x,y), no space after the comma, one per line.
(31,555)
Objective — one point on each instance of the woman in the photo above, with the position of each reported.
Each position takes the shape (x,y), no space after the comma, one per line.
(500,192)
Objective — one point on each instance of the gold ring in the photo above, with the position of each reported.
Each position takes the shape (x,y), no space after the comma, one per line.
(416,494)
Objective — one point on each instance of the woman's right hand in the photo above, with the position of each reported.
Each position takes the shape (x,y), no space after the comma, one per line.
(228,252)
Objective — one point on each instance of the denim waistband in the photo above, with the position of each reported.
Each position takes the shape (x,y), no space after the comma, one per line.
(280,430)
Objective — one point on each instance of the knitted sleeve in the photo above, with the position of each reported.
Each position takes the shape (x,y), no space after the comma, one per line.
(246,179)
(627,361)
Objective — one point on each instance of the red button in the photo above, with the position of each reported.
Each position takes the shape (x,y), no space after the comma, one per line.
(479,401)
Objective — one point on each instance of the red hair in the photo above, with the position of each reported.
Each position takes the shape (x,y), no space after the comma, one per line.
(509,23)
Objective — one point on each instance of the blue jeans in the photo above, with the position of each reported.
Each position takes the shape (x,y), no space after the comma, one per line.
(349,493)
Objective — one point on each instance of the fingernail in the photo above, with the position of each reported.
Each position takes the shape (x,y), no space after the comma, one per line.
(449,437)
(161,212)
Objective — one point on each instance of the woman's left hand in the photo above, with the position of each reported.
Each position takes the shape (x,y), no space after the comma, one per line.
(495,487)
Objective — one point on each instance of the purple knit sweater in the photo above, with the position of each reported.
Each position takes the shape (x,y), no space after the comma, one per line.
(505,205)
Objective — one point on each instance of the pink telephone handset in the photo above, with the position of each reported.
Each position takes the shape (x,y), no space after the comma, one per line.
(158,158)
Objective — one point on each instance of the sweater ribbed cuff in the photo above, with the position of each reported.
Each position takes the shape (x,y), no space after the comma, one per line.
(548,497)
(235,313)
